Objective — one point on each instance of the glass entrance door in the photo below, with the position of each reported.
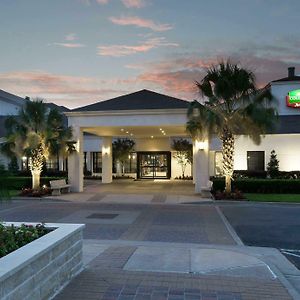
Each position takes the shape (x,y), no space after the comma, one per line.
(154,165)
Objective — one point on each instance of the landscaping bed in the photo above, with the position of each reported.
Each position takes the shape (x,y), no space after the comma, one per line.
(257,185)
(13,238)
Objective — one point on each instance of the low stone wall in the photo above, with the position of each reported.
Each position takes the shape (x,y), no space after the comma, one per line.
(41,268)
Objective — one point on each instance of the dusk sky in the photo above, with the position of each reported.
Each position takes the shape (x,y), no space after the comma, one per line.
(76,52)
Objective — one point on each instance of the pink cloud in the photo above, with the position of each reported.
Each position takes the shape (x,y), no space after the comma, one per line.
(70,91)
(139,22)
(124,50)
(133,3)
(69,45)
(102,1)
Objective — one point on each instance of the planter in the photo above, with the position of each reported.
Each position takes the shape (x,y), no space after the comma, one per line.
(40,269)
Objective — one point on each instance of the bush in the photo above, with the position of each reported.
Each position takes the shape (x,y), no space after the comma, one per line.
(12,238)
(268,186)
(18,183)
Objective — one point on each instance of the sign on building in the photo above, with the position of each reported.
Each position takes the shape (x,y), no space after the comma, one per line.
(293,98)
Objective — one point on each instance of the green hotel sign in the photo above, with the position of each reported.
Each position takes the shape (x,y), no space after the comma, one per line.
(293,98)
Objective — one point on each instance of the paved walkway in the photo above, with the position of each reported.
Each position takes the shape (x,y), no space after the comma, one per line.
(157,250)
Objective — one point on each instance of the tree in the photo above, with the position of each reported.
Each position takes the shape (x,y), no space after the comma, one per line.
(233,106)
(37,133)
(183,153)
(13,166)
(121,151)
(273,165)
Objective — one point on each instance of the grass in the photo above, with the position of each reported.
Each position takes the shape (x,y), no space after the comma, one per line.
(293,198)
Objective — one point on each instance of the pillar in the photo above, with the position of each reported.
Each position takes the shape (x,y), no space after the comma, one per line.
(106,159)
(75,163)
(201,165)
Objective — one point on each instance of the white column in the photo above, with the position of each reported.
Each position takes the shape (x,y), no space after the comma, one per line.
(107,159)
(201,165)
(75,163)
(61,163)
(194,162)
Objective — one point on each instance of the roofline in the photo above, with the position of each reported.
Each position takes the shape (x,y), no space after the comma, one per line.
(126,112)
(284,82)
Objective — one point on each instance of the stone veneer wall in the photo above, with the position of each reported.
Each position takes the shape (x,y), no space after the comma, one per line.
(42,268)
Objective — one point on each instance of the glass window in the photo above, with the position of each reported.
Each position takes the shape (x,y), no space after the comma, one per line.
(84,161)
(218,163)
(97,162)
(52,164)
(256,160)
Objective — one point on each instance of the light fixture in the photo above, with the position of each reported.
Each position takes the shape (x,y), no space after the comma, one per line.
(151,136)
(127,132)
(160,129)
(201,145)
(122,129)
(24,158)
(131,134)
(106,150)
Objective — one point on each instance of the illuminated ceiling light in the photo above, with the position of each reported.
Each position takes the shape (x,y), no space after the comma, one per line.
(160,129)
(131,134)
(164,133)
(127,132)
(152,136)
(122,129)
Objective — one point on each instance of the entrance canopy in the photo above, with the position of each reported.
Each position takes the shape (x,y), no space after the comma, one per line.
(144,116)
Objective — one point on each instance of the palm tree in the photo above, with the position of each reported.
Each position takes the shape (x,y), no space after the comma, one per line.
(233,105)
(37,133)
(121,151)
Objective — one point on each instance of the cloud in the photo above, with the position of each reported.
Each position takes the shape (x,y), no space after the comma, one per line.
(102,1)
(69,42)
(69,45)
(139,22)
(70,91)
(71,37)
(133,3)
(124,50)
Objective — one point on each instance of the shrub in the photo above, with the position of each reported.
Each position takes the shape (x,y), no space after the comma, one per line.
(18,183)
(12,237)
(280,186)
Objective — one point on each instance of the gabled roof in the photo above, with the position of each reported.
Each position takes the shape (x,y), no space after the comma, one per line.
(139,100)
(11,98)
(293,78)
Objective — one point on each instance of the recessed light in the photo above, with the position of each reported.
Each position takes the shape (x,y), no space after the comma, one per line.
(127,132)
(131,134)
(151,136)
(160,129)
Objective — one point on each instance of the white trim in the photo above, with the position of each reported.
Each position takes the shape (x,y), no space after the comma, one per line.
(127,112)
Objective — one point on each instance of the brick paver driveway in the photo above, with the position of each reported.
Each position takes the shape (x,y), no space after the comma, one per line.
(104,276)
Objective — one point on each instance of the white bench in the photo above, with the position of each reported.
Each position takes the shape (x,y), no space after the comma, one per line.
(58,185)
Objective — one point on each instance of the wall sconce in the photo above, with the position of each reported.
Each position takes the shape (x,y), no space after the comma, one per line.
(106,150)
(24,158)
(201,145)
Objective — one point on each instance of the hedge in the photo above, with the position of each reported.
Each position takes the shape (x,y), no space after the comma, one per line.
(268,186)
(17,183)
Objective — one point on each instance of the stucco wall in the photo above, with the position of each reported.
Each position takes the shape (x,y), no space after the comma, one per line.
(287,148)
(8,108)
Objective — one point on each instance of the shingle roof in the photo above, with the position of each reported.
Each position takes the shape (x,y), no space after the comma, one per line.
(12,98)
(143,99)
(292,78)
